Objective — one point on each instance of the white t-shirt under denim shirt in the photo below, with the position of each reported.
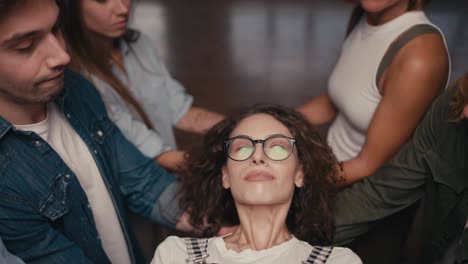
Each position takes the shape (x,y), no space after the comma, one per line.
(174,251)
(162,98)
(57,131)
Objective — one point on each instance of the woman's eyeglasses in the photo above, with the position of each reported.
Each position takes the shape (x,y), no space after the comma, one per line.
(276,147)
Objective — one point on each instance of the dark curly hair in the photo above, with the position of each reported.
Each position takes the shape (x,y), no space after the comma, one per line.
(210,206)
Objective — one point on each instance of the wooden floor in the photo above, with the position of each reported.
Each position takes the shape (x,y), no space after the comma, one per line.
(231,54)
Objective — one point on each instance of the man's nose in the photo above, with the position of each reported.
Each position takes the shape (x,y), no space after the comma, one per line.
(58,56)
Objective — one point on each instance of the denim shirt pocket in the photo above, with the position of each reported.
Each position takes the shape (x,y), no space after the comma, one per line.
(56,203)
(101,129)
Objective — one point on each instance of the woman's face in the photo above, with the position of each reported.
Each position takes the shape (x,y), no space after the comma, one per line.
(260,180)
(106,18)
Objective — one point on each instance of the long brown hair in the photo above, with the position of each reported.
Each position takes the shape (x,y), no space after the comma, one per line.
(89,57)
(460,99)
(310,215)
(358,12)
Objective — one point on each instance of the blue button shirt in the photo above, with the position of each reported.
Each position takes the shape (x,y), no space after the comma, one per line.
(44,212)
(163,99)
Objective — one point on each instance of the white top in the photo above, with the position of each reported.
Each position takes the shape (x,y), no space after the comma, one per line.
(174,251)
(56,130)
(352,85)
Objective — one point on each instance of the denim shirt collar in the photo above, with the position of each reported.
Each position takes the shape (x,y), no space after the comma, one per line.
(5,126)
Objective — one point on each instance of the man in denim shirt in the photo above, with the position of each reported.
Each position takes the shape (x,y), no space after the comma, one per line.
(66,171)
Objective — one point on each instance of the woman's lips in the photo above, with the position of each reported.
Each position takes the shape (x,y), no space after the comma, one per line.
(259,176)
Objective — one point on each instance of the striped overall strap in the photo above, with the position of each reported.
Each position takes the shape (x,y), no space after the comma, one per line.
(318,255)
(196,250)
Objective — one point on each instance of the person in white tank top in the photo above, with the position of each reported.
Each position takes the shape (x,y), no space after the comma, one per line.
(267,170)
(372,112)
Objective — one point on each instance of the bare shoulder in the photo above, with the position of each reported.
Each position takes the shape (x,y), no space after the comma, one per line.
(424,53)
(421,66)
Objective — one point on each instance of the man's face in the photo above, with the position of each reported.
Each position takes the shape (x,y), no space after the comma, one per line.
(32,53)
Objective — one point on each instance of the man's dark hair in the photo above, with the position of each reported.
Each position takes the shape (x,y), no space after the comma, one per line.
(5,5)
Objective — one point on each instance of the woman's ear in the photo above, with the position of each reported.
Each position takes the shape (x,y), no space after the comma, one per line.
(225,178)
(299,177)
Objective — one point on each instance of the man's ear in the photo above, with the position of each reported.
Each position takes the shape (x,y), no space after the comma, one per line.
(225,178)
(299,177)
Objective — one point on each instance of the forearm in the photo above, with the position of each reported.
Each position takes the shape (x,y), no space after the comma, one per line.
(198,120)
(319,111)
(173,160)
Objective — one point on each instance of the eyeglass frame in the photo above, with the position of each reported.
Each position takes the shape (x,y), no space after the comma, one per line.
(292,141)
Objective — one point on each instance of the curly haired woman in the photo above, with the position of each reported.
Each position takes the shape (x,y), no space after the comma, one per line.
(267,170)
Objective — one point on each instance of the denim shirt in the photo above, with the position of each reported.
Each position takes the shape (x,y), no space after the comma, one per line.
(162,98)
(45,216)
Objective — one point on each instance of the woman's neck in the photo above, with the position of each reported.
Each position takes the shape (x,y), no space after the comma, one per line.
(387,14)
(103,42)
(261,227)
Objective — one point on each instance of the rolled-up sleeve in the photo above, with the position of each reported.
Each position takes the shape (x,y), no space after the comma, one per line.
(167,209)
(148,141)
(179,101)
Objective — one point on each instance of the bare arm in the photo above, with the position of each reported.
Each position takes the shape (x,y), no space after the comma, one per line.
(417,75)
(198,120)
(319,111)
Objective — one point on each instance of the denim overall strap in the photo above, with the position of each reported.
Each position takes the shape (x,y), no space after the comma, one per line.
(197,250)
(318,255)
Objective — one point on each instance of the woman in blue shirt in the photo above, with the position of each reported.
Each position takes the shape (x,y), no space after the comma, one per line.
(141,97)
